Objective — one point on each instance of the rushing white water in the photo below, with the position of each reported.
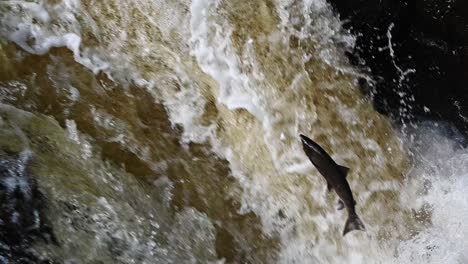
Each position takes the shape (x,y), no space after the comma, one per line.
(267,86)
(438,185)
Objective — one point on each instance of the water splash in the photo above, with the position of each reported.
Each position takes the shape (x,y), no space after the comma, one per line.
(231,90)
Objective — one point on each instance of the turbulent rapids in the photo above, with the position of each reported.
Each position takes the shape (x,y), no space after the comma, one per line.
(167,132)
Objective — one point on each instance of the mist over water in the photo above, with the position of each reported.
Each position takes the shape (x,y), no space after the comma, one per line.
(167,132)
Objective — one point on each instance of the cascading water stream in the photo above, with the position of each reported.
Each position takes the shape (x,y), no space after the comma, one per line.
(167,132)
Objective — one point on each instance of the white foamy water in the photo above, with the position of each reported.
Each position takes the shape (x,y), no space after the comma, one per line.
(185,53)
(37,27)
(279,124)
(438,184)
(435,188)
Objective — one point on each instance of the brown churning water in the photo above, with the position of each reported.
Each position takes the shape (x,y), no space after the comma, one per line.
(166,131)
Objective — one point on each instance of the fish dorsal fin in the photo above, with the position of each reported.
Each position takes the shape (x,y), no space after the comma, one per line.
(344,170)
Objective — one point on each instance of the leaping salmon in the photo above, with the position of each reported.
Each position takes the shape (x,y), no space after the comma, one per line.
(335,175)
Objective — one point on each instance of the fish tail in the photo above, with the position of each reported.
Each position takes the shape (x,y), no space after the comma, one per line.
(353,223)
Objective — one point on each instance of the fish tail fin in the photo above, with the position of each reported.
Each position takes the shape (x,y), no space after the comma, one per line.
(353,223)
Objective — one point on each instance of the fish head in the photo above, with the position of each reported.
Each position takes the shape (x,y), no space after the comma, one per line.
(305,140)
(309,146)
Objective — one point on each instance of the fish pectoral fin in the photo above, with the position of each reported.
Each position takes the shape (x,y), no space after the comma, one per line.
(340,205)
(329,187)
(344,170)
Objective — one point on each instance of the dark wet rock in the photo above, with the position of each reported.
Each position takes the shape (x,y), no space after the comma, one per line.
(428,73)
(22,220)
